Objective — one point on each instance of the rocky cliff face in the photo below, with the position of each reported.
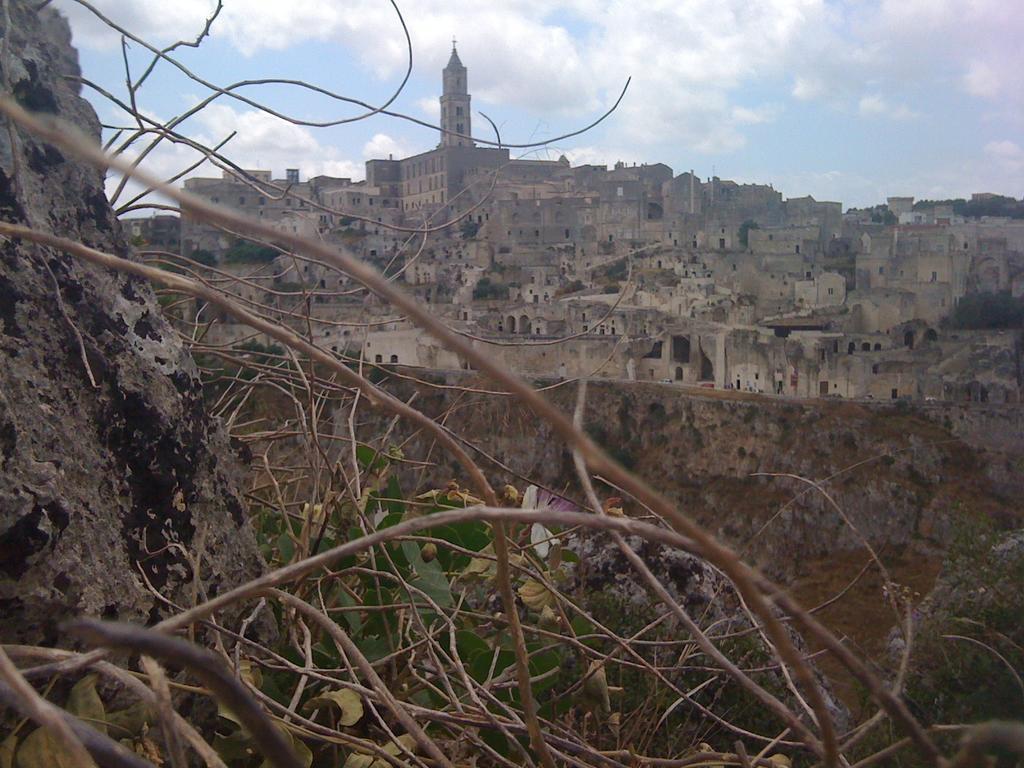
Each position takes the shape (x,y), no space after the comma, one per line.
(900,477)
(111,474)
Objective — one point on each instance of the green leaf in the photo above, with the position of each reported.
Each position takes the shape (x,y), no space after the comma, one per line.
(237,747)
(388,521)
(351,618)
(481,664)
(395,504)
(496,741)
(285,547)
(325,653)
(541,663)
(129,722)
(470,645)
(7,749)
(224,711)
(250,672)
(358,760)
(429,576)
(363,760)
(595,694)
(41,749)
(347,700)
(374,648)
(535,595)
(481,567)
(367,457)
(301,750)
(406,740)
(85,703)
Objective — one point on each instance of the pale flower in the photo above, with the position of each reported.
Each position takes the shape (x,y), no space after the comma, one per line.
(540,499)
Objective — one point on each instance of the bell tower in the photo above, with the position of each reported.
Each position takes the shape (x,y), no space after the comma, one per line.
(455,115)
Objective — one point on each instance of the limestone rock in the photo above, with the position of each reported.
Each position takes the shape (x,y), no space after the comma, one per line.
(98,483)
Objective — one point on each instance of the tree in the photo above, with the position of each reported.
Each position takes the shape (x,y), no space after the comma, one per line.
(469,228)
(745,228)
(988,311)
(246,252)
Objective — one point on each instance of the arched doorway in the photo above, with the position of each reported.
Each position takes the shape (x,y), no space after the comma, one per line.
(679,373)
(511,324)
(524,324)
(908,339)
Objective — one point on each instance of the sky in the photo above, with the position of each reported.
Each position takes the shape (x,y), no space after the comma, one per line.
(848,101)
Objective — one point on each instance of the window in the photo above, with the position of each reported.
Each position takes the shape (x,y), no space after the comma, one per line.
(881,270)
(241,200)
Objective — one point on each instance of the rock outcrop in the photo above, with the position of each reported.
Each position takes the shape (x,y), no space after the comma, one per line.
(110,467)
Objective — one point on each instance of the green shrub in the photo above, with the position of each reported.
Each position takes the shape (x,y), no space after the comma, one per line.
(486,290)
(245,252)
(986,311)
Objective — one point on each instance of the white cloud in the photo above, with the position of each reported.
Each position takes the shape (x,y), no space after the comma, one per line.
(1007,154)
(430,107)
(873,105)
(261,142)
(690,59)
(685,58)
(382,145)
(982,80)
(156,22)
(755,115)
(595,155)
(807,87)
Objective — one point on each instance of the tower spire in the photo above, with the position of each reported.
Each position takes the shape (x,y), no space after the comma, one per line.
(455,103)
